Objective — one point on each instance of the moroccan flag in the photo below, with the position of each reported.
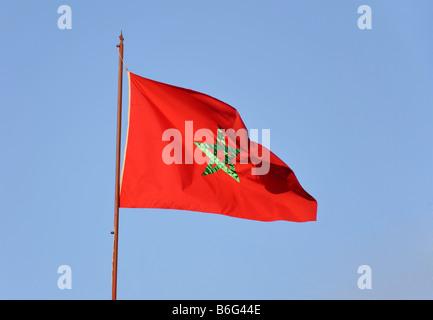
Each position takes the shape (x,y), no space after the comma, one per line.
(186,150)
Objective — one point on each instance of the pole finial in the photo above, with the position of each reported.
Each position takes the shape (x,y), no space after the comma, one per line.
(121,39)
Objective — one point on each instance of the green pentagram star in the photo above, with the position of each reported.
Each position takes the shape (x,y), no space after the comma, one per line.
(216,164)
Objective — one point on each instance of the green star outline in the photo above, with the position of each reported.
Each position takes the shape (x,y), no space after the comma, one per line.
(229,153)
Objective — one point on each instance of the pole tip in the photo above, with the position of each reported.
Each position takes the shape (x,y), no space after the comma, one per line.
(121,36)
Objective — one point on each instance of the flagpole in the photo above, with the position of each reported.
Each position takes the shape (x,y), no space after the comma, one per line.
(117,188)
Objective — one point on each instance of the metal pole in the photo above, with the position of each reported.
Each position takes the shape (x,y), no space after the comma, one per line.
(117,191)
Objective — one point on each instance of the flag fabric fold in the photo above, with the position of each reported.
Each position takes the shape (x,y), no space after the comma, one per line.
(186,150)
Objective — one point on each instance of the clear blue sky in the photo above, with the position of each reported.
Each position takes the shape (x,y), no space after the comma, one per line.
(350,111)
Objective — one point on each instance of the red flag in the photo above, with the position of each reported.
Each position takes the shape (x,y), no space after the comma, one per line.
(186,150)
